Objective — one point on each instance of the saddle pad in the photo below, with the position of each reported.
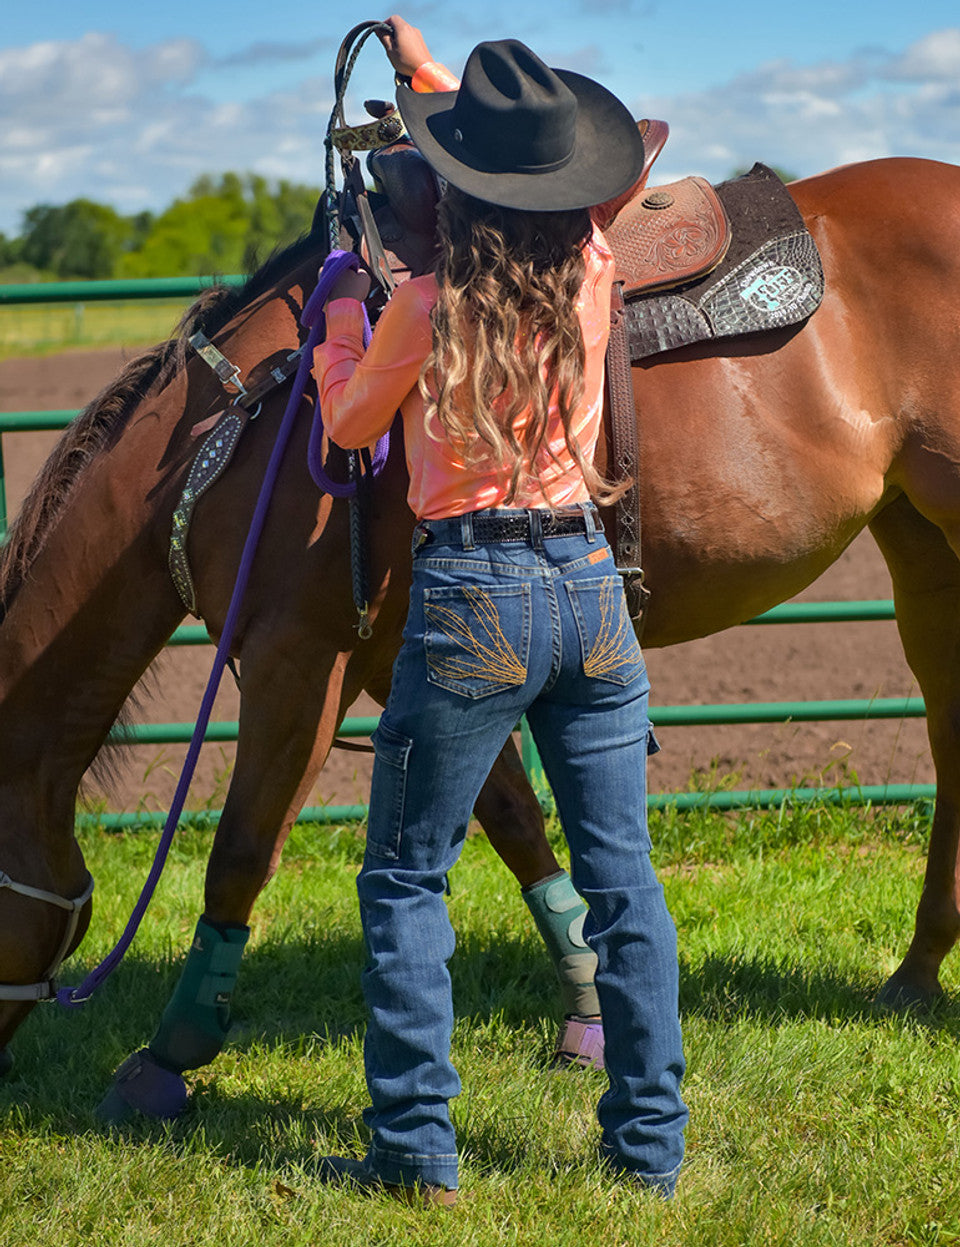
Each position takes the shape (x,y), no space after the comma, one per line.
(770,277)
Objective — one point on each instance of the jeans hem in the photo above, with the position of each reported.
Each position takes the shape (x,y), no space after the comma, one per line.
(661,1183)
(409,1168)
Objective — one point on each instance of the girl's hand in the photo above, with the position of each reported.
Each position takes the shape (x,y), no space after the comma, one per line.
(350,285)
(406,48)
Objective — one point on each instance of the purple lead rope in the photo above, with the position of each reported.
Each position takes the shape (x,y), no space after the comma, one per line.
(313,317)
(336,263)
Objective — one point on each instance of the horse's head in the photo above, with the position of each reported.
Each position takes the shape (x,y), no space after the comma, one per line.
(39,928)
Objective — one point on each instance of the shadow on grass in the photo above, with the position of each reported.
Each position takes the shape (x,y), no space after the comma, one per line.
(722,988)
(307,992)
(301,995)
(286,991)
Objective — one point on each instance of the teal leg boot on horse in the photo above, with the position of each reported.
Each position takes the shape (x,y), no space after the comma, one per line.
(192,1031)
(559,913)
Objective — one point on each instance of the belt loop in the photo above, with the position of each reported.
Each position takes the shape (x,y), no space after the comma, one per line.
(466,531)
(589,521)
(535,518)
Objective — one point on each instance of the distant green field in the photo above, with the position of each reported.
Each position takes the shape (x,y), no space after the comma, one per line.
(48,328)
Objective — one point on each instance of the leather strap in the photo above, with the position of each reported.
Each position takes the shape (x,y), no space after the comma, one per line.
(209,463)
(369,135)
(275,377)
(626,461)
(228,374)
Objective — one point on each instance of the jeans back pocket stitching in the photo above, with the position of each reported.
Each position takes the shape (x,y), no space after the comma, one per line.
(604,656)
(496,661)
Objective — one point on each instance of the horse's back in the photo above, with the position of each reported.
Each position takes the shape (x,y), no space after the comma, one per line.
(902,208)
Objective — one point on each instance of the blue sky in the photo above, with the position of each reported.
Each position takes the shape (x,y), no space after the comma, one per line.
(129,103)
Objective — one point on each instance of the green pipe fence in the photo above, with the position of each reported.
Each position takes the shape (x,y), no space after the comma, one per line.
(753,799)
(100,291)
(665,716)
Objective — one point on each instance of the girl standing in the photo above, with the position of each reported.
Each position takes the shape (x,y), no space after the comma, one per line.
(496,366)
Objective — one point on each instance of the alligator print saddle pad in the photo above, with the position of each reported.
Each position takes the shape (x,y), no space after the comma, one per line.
(769,277)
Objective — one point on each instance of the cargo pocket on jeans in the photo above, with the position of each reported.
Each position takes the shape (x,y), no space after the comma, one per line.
(608,644)
(477,640)
(388,791)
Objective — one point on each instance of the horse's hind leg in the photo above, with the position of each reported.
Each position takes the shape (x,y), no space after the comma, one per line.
(510,815)
(926,583)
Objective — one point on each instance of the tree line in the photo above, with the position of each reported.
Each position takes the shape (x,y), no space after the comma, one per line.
(225,224)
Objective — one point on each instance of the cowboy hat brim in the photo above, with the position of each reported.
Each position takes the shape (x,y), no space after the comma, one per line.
(606,158)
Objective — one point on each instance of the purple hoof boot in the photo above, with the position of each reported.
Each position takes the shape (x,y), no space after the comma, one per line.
(142,1086)
(580,1042)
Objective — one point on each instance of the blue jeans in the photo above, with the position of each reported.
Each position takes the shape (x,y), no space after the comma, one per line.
(536,626)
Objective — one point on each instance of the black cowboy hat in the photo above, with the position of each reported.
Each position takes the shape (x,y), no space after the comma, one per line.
(522,135)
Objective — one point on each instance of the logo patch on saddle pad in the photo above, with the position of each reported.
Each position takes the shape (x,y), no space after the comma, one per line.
(773,288)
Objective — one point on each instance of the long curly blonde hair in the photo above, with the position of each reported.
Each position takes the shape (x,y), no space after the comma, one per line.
(506,335)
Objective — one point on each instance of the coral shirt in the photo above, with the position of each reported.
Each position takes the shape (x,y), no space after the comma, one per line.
(361,391)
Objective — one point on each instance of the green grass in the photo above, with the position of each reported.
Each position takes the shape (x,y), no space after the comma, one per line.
(815,1117)
(51,328)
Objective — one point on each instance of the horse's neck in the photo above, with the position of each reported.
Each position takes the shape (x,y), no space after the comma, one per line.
(93,609)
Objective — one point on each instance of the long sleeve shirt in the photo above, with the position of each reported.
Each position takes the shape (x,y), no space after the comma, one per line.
(360,392)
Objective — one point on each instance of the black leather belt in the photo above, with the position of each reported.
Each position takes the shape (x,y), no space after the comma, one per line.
(518,526)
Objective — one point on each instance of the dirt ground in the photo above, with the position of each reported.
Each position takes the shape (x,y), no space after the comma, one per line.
(788,662)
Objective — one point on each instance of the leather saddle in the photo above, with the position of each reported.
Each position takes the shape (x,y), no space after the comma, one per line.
(694,261)
(666,237)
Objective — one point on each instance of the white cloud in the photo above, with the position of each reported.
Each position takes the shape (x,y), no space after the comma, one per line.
(812,117)
(270,52)
(935,58)
(133,127)
(84,111)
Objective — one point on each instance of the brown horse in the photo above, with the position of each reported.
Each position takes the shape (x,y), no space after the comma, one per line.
(762,458)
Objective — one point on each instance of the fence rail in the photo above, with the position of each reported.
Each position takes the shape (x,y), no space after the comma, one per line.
(672,716)
(111,291)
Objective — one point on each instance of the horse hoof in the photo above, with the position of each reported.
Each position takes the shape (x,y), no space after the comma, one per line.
(6,1062)
(142,1087)
(900,994)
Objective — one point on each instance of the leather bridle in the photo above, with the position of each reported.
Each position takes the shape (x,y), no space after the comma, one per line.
(45,988)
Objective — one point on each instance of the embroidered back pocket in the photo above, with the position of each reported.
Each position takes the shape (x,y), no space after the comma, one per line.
(608,644)
(477,640)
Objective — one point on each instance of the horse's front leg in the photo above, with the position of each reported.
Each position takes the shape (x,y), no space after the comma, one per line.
(285,735)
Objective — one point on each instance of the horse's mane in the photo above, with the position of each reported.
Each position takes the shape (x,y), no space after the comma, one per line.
(101,421)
